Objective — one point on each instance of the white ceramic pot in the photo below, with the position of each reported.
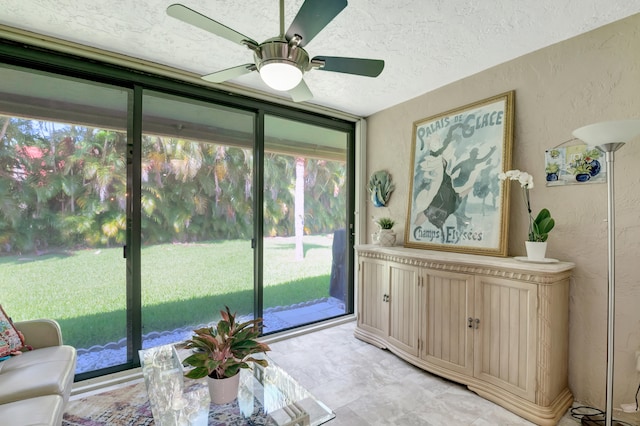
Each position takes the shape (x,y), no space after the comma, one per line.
(223,391)
(536,250)
(386,237)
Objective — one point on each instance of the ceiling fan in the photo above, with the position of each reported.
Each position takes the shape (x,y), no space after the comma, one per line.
(282,60)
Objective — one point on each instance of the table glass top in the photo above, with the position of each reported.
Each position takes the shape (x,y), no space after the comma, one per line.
(266,396)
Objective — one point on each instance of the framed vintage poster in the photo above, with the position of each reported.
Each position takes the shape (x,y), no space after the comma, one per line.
(456,201)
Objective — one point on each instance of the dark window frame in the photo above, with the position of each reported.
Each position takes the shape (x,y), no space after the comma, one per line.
(64,64)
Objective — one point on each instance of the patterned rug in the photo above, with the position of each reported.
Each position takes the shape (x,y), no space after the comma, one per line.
(129,406)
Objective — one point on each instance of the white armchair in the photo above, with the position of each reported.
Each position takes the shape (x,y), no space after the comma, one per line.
(35,386)
(41,333)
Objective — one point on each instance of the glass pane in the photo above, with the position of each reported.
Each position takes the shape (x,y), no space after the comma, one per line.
(197,215)
(62,209)
(305,213)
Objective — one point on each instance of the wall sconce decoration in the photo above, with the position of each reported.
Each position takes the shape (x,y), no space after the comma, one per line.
(380,188)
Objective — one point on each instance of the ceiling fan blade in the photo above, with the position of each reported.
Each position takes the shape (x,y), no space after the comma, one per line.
(312,17)
(196,19)
(301,92)
(229,73)
(366,67)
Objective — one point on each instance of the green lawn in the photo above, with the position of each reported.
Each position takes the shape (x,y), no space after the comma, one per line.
(183,285)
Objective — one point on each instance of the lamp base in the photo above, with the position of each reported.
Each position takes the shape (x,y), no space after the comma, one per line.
(597,420)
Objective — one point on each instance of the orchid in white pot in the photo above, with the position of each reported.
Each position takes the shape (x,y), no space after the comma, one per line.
(542,223)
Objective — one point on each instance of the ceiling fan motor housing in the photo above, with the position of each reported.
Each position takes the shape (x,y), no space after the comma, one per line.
(280,51)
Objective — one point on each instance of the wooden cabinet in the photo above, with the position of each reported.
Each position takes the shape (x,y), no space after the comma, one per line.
(403,308)
(447,321)
(497,325)
(389,304)
(373,288)
(505,337)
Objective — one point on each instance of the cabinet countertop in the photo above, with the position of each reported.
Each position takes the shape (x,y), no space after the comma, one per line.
(462,259)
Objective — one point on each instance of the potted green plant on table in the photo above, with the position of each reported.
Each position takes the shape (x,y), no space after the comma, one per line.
(541,225)
(386,236)
(220,353)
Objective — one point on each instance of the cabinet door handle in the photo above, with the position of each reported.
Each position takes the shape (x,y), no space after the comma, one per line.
(477,323)
(470,322)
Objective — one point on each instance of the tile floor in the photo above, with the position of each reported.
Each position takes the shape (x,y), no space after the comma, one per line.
(365,385)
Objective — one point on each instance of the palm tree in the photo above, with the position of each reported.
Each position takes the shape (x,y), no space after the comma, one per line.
(299,208)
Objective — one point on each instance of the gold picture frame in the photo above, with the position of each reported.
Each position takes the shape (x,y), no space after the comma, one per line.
(456,201)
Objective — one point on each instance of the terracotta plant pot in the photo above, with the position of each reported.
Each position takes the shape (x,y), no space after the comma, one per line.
(223,391)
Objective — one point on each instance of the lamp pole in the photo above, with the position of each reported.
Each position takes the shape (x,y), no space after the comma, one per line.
(609,150)
(608,137)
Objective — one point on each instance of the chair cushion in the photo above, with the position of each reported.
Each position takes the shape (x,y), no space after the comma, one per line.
(42,410)
(10,340)
(45,371)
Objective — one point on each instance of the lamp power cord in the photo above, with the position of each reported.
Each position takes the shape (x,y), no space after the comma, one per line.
(596,415)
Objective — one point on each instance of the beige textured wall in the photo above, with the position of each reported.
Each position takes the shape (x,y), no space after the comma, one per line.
(590,78)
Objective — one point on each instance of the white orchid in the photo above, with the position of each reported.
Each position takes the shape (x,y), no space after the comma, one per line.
(525,179)
(539,226)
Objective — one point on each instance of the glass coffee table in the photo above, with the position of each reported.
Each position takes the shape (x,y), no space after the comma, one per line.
(266,396)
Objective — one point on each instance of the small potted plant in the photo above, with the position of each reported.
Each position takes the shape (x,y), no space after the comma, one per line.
(386,236)
(220,353)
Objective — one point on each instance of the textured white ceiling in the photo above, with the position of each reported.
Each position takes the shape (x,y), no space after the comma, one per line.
(425,44)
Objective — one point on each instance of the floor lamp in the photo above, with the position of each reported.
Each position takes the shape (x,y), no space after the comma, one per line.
(608,137)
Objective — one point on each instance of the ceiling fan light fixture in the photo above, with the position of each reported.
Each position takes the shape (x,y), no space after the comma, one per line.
(282,60)
(280,75)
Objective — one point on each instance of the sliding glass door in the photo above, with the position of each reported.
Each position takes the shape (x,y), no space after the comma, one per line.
(305,240)
(196,215)
(63,193)
(134,208)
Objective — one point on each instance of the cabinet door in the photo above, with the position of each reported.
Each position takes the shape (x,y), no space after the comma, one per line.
(403,307)
(446,332)
(505,341)
(373,312)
